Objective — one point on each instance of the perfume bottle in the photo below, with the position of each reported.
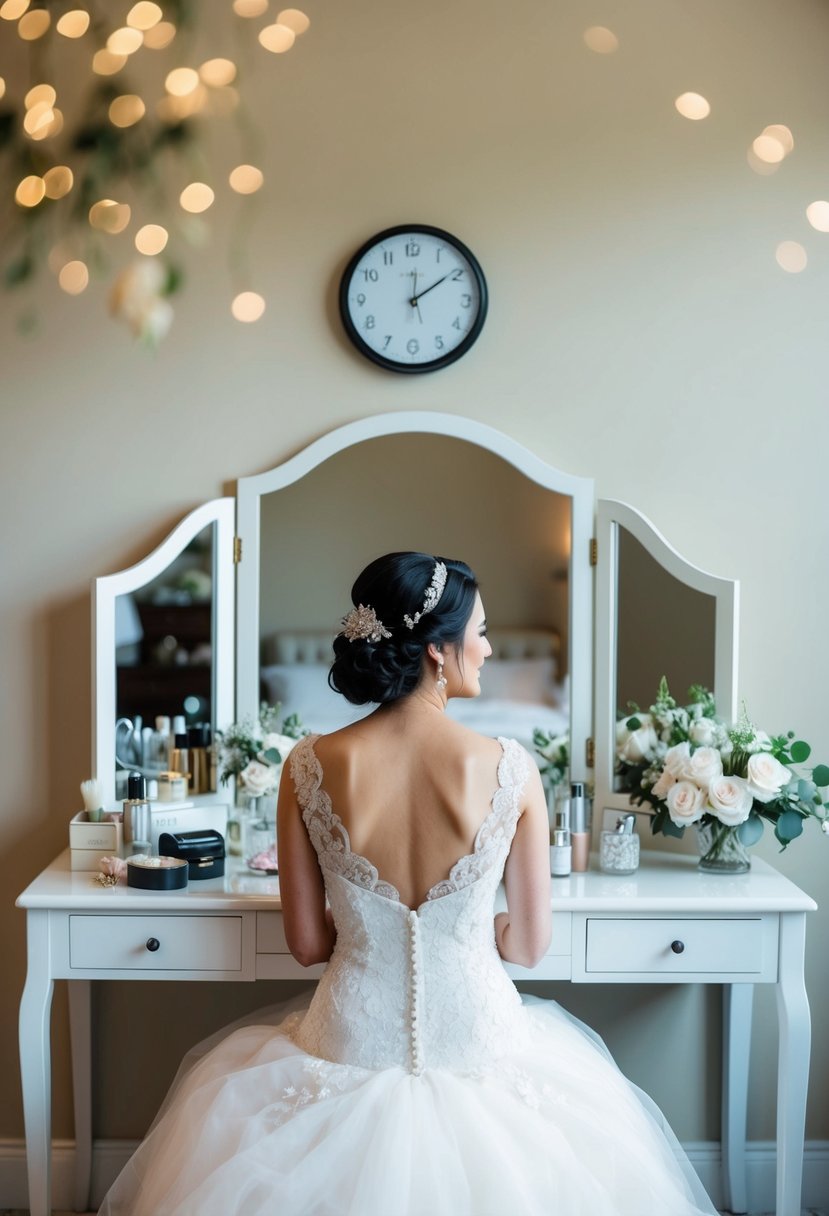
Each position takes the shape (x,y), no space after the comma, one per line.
(579,827)
(137,816)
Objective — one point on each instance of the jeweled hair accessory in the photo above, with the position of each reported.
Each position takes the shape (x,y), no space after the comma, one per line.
(433,593)
(363,622)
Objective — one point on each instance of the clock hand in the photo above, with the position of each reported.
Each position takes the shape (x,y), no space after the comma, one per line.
(428,289)
(414,299)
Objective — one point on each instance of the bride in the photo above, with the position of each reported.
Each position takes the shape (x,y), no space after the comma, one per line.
(417,1082)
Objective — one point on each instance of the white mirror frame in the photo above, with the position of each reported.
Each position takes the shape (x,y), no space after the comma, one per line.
(726,593)
(578,489)
(105,590)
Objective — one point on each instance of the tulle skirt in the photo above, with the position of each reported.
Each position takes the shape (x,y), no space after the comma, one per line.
(254,1126)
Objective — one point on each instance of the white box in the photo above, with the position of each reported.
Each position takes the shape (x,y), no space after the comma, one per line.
(107,838)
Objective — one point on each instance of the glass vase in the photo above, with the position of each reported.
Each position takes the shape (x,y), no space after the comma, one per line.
(259,835)
(721,850)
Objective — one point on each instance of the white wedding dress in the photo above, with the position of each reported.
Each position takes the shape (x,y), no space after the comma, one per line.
(417,1082)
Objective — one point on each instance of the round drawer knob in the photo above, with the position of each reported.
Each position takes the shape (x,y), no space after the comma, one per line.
(153,943)
(678,947)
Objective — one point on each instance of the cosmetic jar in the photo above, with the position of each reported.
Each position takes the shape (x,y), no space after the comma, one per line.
(172,787)
(560,854)
(157,873)
(619,848)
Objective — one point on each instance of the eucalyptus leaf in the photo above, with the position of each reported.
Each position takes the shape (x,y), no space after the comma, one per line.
(806,790)
(669,828)
(750,830)
(272,756)
(633,723)
(800,751)
(788,827)
(820,775)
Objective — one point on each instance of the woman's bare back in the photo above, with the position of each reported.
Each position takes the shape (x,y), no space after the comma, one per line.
(412,788)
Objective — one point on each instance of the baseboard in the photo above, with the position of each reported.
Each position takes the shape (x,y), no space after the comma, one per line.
(109,1157)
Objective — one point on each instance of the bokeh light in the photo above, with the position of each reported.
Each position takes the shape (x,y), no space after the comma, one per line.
(105,63)
(33,25)
(250,8)
(818,215)
(196,197)
(160,36)
(144,15)
(693,106)
(73,24)
(181,81)
(248,306)
(58,181)
(125,41)
(277,38)
(31,191)
(218,72)
(74,278)
(109,216)
(151,239)
(791,256)
(246,179)
(126,110)
(299,22)
(599,39)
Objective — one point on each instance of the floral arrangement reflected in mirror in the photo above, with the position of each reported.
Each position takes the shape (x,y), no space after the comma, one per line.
(252,753)
(108,168)
(691,767)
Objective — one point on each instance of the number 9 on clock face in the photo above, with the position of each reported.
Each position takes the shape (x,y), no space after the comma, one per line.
(413,299)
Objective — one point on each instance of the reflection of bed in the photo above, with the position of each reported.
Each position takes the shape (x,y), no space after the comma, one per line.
(519,685)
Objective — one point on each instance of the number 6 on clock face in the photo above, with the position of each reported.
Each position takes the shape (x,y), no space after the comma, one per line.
(413,299)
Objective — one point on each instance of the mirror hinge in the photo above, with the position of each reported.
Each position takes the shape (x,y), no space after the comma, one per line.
(237,550)
(594,551)
(590,752)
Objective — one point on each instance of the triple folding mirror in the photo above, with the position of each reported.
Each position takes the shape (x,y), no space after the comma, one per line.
(587,604)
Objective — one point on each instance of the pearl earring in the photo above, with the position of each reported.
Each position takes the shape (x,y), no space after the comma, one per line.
(441,679)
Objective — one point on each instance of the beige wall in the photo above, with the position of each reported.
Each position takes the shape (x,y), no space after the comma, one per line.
(640,332)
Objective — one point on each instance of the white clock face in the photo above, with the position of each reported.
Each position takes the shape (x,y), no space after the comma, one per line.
(413,299)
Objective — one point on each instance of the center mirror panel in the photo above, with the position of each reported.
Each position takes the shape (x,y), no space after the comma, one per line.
(437,494)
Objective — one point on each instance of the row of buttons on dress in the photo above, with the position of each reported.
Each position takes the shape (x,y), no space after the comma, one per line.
(414,947)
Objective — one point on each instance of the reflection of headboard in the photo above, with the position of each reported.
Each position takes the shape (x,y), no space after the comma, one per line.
(314,645)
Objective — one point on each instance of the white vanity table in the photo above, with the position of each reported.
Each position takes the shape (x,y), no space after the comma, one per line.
(665,924)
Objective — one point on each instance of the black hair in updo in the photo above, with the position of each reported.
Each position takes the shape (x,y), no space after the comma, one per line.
(394,586)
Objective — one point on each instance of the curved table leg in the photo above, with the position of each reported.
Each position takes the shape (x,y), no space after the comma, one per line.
(737,1008)
(80,1031)
(795,1034)
(35,1061)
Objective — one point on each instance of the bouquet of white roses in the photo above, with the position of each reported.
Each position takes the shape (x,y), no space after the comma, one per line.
(253,751)
(691,767)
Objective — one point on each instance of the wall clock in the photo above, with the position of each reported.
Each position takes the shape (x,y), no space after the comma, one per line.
(413,298)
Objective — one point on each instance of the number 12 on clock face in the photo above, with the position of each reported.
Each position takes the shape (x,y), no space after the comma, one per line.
(413,299)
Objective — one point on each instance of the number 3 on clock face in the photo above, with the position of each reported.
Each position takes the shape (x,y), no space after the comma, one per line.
(413,299)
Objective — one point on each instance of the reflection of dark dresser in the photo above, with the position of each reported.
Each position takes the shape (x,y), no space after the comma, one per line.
(151,687)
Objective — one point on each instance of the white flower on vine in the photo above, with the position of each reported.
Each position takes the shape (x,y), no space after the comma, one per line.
(137,297)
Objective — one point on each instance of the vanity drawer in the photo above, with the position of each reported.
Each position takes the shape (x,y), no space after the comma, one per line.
(676,946)
(185,943)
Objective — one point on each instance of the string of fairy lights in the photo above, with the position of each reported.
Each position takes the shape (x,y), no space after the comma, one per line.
(92,157)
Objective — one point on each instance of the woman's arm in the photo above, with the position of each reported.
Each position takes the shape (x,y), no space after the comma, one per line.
(309,928)
(522,933)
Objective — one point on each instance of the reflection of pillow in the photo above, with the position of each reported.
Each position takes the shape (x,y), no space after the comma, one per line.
(302,688)
(519,680)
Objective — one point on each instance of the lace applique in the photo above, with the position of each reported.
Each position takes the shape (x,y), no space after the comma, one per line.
(321,1080)
(330,839)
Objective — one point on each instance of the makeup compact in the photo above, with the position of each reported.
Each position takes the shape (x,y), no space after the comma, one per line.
(156,873)
(203,851)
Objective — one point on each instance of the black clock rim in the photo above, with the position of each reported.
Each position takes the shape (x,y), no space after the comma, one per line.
(434,364)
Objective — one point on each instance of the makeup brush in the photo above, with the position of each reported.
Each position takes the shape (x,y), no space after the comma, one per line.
(92,799)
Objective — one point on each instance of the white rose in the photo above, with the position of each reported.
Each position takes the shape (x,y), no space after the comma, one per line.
(663,783)
(766,776)
(702,766)
(703,732)
(824,827)
(685,802)
(675,758)
(633,746)
(730,799)
(281,743)
(259,778)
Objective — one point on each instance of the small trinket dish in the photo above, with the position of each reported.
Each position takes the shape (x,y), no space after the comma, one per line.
(156,873)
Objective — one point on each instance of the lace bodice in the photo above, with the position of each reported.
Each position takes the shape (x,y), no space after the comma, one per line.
(420,987)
